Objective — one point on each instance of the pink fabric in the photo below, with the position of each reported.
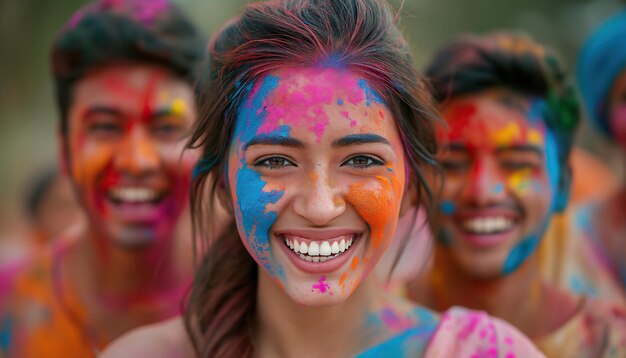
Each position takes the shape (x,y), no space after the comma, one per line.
(463,333)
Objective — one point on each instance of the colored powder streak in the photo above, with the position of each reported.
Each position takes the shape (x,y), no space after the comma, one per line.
(522,250)
(579,285)
(343,279)
(520,181)
(298,104)
(394,322)
(178,107)
(252,200)
(321,286)
(370,94)
(447,207)
(355,263)
(412,342)
(6,334)
(506,136)
(374,206)
(498,188)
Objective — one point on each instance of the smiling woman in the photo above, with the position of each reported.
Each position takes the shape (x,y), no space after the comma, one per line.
(321,135)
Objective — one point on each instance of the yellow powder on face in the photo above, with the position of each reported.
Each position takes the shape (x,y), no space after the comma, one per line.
(535,137)
(519,181)
(179,107)
(507,135)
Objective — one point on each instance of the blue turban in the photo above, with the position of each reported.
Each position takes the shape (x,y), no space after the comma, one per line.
(601,60)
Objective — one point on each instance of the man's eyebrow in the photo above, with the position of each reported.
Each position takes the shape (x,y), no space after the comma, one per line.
(100,109)
(457,147)
(525,148)
(274,140)
(355,139)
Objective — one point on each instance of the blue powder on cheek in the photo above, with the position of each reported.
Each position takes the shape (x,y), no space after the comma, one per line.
(499,188)
(252,200)
(522,250)
(447,207)
(340,102)
(6,336)
(370,94)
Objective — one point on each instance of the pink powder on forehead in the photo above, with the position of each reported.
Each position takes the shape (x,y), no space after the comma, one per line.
(302,96)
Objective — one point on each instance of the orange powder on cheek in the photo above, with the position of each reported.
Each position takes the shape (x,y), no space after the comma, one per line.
(354,264)
(375,206)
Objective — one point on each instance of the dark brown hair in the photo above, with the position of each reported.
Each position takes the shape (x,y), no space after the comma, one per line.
(359,35)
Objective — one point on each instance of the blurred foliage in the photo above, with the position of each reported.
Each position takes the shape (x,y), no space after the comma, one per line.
(27,28)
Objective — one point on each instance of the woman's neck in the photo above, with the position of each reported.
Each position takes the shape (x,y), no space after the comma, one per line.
(288,329)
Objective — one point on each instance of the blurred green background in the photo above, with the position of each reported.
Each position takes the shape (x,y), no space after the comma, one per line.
(27,27)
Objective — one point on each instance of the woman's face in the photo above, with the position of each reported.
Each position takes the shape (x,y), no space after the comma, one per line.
(316,171)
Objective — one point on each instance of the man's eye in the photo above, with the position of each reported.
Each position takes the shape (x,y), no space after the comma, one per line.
(363,161)
(515,165)
(104,128)
(273,163)
(167,129)
(455,165)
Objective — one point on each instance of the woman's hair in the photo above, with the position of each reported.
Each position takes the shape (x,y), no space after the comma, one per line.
(472,64)
(358,35)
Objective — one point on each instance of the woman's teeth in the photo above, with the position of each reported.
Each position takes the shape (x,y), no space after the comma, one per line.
(319,251)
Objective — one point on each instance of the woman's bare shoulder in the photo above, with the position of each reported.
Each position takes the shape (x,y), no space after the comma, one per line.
(166,339)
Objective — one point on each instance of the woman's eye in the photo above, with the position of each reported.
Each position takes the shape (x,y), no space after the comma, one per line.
(363,161)
(273,163)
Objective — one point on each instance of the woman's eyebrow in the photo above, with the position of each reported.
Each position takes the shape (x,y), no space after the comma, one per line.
(355,139)
(274,140)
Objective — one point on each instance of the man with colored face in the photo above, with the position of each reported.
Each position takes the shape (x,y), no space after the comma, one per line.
(123,74)
(601,76)
(510,118)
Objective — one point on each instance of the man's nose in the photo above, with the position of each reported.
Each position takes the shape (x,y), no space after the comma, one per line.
(137,154)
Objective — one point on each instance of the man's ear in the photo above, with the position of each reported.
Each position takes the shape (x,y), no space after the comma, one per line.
(563,190)
(410,196)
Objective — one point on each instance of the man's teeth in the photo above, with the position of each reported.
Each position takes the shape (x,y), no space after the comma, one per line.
(319,251)
(487,225)
(133,195)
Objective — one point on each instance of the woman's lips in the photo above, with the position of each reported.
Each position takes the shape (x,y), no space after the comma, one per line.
(319,251)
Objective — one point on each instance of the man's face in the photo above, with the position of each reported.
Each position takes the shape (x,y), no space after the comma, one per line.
(125,151)
(502,174)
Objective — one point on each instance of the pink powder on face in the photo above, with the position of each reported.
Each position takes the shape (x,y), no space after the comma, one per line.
(303,95)
(321,286)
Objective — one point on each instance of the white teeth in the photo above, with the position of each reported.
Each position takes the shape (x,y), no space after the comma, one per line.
(325,249)
(304,248)
(487,225)
(318,251)
(133,194)
(314,248)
